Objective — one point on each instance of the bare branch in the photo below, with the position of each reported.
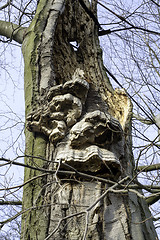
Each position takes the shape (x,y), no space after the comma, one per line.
(155,3)
(60,172)
(10,202)
(12,31)
(149,168)
(6,5)
(141,119)
(153,198)
(123,19)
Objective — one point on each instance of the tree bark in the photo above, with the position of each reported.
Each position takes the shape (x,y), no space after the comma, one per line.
(76,120)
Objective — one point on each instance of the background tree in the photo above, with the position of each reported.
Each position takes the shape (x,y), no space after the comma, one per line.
(49,44)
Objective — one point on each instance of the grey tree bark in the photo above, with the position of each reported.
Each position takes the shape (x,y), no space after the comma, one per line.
(78,131)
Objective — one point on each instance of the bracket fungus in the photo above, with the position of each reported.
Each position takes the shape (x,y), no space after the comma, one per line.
(86,146)
(83,138)
(96,127)
(90,159)
(62,109)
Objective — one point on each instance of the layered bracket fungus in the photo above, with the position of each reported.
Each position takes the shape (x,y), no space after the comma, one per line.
(83,136)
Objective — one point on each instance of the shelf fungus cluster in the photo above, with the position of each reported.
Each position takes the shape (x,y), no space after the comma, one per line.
(86,146)
(82,138)
(62,109)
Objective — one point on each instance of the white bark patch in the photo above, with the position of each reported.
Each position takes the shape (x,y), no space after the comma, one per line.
(47,72)
(115,218)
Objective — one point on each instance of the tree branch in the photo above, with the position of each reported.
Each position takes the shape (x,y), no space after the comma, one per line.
(109,31)
(2,223)
(6,5)
(149,168)
(141,119)
(123,19)
(12,31)
(155,3)
(153,198)
(74,172)
(10,202)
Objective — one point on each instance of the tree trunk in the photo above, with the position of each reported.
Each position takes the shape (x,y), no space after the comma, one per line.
(78,130)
